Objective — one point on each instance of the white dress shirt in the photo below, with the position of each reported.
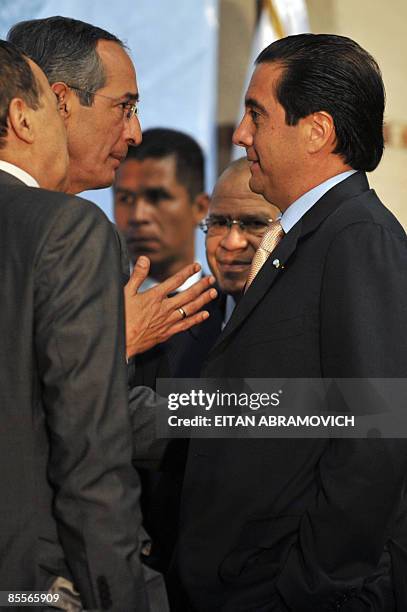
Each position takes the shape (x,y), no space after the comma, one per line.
(151,282)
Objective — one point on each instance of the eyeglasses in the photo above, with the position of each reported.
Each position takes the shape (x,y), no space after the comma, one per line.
(130,109)
(217,225)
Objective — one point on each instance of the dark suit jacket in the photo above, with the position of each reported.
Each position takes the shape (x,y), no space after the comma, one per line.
(69,501)
(181,356)
(307,525)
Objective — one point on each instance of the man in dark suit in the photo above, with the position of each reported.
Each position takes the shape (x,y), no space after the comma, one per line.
(237,220)
(308,525)
(69,508)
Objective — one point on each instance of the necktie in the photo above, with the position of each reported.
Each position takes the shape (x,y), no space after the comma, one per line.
(268,243)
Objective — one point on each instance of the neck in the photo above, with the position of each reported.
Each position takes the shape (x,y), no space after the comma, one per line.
(313,178)
(30,163)
(20,162)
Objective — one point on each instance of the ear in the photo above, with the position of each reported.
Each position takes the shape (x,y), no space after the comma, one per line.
(321,131)
(200,206)
(20,120)
(64,96)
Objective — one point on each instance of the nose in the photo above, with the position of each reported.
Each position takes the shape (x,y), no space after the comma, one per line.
(242,136)
(132,131)
(141,212)
(234,239)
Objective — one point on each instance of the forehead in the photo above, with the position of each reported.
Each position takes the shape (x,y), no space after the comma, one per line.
(149,171)
(119,69)
(232,196)
(263,83)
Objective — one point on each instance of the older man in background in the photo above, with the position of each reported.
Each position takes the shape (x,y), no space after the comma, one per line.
(238,219)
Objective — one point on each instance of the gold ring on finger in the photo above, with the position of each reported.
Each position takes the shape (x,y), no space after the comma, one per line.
(182,312)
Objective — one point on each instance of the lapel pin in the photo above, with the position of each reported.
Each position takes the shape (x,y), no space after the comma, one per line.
(276,263)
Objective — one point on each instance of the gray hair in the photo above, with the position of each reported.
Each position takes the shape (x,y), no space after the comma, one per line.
(65,49)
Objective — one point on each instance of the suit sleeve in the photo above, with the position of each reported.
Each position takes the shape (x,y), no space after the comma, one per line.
(342,536)
(79,337)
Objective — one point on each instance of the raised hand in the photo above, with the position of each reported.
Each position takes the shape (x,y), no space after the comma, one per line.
(153,317)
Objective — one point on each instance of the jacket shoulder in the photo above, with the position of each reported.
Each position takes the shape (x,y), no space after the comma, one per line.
(367,209)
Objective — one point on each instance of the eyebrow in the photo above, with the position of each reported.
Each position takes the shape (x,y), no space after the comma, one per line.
(154,192)
(131,96)
(252,102)
(124,191)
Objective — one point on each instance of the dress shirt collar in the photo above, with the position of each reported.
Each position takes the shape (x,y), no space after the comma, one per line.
(19,173)
(297,209)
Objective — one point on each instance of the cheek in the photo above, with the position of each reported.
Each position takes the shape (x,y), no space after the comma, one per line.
(179,221)
(211,246)
(109,137)
(122,216)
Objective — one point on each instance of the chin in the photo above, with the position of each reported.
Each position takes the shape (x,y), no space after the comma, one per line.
(255,185)
(102,180)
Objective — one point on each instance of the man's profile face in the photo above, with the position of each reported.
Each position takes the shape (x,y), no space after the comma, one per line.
(230,251)
(50,134)
(274,149)
(154,211)
(99,135)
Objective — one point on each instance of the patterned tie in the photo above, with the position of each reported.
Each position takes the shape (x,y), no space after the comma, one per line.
(268,243)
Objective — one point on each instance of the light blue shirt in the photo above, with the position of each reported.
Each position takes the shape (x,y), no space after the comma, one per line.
(298,208)
(229,308)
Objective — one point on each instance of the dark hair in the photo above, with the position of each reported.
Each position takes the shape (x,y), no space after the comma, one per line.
(16,81)
(324,72)
(65,49)
(161,142)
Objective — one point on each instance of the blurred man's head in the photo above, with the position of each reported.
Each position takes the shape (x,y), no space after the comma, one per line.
(32,134)
(95,81)
(159,199)
(314,109)
(237,221)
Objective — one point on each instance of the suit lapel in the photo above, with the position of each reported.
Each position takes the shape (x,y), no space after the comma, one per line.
(264,280)
(274,266)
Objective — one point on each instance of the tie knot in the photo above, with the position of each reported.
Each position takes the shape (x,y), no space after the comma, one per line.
(269,242)
(272,237)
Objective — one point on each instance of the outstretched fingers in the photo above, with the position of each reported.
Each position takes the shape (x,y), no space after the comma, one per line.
(178,279)
(184,324)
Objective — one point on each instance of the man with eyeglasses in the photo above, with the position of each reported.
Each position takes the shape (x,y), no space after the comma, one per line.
(238,219)
(95,82)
